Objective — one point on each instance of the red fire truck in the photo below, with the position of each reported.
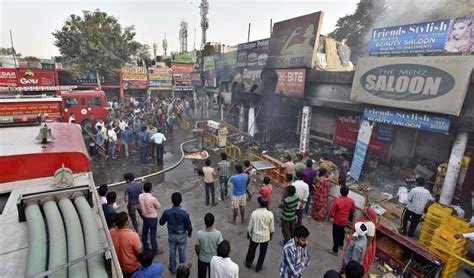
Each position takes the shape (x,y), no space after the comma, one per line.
(86,106)
(50,212)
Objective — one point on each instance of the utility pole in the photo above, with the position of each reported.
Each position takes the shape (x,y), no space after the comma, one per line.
(13,49)
(183,37)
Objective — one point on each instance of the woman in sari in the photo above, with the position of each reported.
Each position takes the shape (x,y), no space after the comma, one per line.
(369,217)
(320,197)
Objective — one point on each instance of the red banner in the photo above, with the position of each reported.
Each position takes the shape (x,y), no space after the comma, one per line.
(52,108)
(34,77)
(291,82)
(347,129)
(8,77)
(182,68)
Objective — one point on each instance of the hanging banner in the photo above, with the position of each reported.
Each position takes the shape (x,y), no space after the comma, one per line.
(435,84)
(290,82)
(448,35)
(293,42)
(210,79)
(363,138)
(426,122)
(8,77)
(209,63)
(183,59)
(347,129)
(305,129)
(182,82)
(196,79)
(182,68)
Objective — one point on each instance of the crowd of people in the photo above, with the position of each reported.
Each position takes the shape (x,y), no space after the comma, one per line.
(144,126)
(133,125)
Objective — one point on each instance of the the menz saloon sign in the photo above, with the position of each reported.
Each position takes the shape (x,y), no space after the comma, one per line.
(434,84)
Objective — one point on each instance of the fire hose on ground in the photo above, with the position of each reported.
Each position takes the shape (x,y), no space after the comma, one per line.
(164,170)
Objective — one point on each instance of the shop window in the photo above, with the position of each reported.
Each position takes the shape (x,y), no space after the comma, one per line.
(83,101)
(94,102)
(71,102)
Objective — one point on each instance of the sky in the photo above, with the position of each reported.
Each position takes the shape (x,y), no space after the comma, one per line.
(33,21)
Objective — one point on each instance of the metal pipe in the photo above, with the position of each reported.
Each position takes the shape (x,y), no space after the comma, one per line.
(57,237)
(75,238)
(95,265)
(37,242)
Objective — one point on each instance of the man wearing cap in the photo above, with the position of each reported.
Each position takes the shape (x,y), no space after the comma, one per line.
(357,246)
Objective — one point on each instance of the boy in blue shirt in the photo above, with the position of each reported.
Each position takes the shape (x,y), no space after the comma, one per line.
(239,198)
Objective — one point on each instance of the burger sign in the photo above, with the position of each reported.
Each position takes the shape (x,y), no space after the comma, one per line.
(435,84)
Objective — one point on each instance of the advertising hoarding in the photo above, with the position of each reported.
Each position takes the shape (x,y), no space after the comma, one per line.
(253,54)
(135,78)
(209,63)
(183,59)
(34,77)
(434,83)
(8,77)
(290,82)
(210,79)
(448,35)
(160,81)
(293,42)
(347,128)
(248,80)
(182,68)
(426,122)
(182,82)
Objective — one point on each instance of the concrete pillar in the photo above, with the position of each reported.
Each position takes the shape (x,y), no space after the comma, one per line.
(195,102)
(222,111)
(454,166)
(298,123)
(241,118)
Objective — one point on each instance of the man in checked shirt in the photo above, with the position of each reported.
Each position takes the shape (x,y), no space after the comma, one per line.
(418,197)
(295,254)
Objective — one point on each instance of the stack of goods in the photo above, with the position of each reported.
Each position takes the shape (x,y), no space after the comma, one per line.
(435,217)
(440,175)
(444,244)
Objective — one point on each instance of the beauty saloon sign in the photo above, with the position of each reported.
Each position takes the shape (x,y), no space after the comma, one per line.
(435,84)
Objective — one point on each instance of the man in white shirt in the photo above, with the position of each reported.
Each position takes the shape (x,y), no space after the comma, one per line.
(72,117)
(260,230)
(418,197)
(123,124)
(302,191)
(159,138)
(221,265)
(112,140)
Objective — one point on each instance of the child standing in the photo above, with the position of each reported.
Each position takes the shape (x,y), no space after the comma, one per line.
(266,191)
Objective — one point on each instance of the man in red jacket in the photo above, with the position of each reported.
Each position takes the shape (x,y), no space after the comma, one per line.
(342,209)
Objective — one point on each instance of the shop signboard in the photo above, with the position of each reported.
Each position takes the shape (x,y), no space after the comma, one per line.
(88,79)
(248,80)
(8,77)
(422,121)
(182,82)
(385,132)
(305,129)
(447,35)
(290,82)
(196,79)
(34,77)
(182,68)
(433,83)
(209,63)
(253,54)
(347,128)
(210,79)
(363,138)
(293,42)
(161,81)
(135,78)
(183,59)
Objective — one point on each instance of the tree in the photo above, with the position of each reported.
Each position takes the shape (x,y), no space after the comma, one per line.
(144,52)
(31,59)
(208,50)
(369,14)
(8,51)
(95,42)
(355,27)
